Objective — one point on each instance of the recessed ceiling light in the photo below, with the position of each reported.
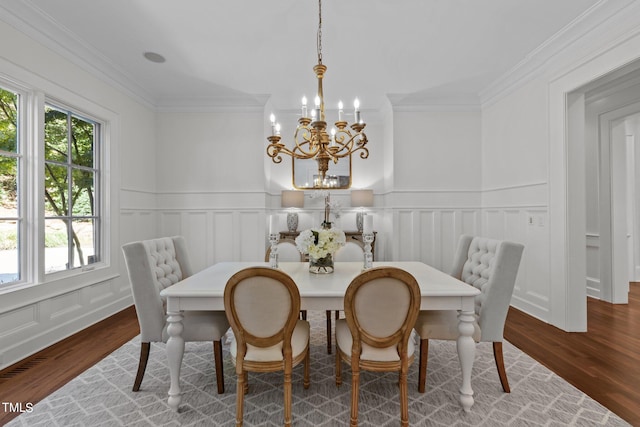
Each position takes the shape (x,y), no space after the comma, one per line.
(154,57)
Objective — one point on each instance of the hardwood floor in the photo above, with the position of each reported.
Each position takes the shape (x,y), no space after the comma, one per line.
(604,362)
(34,378)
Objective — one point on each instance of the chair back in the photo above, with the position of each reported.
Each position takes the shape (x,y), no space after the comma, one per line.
(349,252)
(381,306)
(491,266)
(287,252)
(262,305)
(154,265)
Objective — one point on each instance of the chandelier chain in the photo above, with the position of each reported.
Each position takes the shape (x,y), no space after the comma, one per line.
(319,31)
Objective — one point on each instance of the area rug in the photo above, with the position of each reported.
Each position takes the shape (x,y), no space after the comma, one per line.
(102,395)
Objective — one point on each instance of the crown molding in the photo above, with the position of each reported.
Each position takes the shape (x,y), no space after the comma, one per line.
(429,103)
(33,22)
(532,65)
(214,104)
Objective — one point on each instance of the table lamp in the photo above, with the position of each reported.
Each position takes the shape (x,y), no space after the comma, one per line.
(292,199)
(361,199)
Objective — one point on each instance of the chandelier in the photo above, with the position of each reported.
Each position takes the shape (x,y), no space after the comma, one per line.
(311,139)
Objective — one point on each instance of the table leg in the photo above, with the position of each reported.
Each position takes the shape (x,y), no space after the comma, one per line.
(175,351)
(466,354)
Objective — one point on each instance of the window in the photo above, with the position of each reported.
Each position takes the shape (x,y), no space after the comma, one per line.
(10,187)
(71,211)
(51,217)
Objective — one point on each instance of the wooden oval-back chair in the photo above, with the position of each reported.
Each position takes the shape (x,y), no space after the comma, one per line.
(381,306)
(262,305)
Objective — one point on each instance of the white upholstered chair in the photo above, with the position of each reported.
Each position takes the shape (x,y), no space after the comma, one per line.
(351,251)
(491,266)
(287,252)
(262,305)
(381,306)
(154,265)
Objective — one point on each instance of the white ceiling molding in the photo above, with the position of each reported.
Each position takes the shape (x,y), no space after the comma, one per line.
(45,31)
(531,66)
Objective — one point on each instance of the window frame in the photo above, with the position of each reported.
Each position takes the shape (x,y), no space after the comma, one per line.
(31,259)
(23,181)
(97,217)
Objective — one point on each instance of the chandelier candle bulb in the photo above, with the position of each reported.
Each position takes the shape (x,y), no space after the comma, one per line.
(272,118)
(278,129)
(340,106)
(356,107)
(304,106)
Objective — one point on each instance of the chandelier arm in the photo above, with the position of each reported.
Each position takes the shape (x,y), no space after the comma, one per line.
(364,151)
(274,153)
(355,143)
(307,137)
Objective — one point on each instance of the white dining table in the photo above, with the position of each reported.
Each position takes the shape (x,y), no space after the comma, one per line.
(205,291)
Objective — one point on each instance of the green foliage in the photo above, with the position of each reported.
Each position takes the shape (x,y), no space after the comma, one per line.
(8,240)
(69,164)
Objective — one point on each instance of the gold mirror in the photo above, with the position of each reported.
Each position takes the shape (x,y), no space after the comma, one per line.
(305,174)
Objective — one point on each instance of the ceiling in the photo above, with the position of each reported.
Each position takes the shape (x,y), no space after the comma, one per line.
(241,53)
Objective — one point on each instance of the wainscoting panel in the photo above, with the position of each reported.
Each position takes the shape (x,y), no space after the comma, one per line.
(251,226)
(194,228)
(430,235)
(223,240)
(65,305)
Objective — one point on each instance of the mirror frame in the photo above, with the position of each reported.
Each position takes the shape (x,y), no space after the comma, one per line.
(315,166)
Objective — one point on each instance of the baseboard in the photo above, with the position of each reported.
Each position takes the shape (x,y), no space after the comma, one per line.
(56,333)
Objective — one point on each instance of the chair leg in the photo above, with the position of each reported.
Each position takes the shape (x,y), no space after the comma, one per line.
(145,349)
(404,398)
(355,389)
(246,382)
(307,361)
(217,355)
(338,368)
(424,356)
(240,390)
(287,396)
(303,314)
(328,331)
(497,355)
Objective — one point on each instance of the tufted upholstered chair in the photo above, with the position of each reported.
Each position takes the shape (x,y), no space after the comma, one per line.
(380,306)
(262,305)
(154,265)
(350,252)
(491,266)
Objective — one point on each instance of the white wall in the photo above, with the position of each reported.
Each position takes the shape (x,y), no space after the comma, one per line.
(546,157)
(34,317)
(514,179)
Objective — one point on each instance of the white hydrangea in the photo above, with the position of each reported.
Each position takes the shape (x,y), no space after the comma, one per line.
(318,243)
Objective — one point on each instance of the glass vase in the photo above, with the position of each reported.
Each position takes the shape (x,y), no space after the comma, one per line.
(321,265)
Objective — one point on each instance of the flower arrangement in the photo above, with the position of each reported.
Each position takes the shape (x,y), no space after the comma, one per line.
(319,243)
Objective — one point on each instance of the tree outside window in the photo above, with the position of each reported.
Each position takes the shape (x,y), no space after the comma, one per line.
(71,176)
(10,163)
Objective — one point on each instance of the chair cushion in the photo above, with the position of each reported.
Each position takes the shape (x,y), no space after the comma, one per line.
(201,326)
(299,342)
(344,341)
(442,325)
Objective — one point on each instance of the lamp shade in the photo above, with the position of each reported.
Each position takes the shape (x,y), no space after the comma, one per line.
(361,198)
(292,199)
